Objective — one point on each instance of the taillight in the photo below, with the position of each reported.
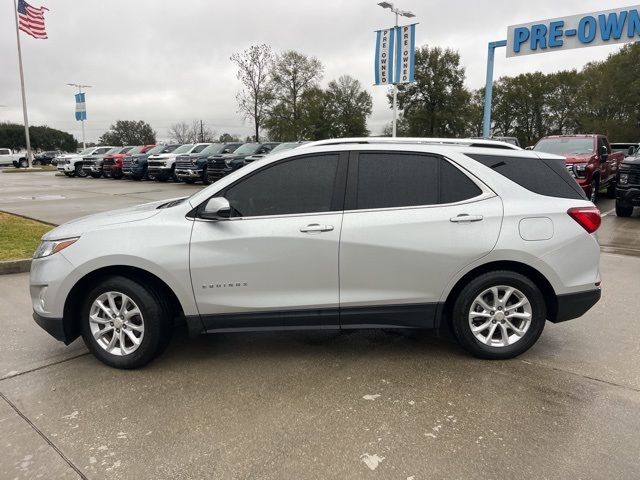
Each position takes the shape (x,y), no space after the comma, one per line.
(588,217)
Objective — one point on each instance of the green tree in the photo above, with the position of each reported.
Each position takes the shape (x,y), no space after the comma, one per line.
(292,74)
(42,138)
(348,107)
(433,105)
(257,92)
(315,122)
(227,138)
(128,132)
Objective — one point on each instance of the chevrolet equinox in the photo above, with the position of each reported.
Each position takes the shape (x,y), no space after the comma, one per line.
(478,237)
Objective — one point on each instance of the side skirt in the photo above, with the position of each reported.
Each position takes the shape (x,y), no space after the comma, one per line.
(421,315)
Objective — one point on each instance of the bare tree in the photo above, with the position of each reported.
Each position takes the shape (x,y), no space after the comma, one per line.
(253,72)
(196,132)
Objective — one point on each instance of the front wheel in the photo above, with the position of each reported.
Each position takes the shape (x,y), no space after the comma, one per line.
(70,174)
(593,195)
(205,177)
(499,315)
(189,181)
(24,163)
(611,190)
(80,172)
(125,324)
(624,210)
(96,175)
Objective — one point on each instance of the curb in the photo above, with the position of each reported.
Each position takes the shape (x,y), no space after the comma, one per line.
(15,266)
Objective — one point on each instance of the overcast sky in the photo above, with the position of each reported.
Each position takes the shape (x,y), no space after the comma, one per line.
(167,61)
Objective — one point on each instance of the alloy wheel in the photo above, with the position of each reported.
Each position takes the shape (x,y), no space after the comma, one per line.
(116,323)
(500,316)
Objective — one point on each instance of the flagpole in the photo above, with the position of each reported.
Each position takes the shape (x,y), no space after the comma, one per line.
(24,96)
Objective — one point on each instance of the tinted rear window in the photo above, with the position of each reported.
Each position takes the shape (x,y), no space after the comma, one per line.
(541,176)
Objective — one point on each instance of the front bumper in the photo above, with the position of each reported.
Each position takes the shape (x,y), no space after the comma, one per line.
(54,327)
(188,173)
(92,168)
(574,305)
(158,171)
(66,167)
(628,196)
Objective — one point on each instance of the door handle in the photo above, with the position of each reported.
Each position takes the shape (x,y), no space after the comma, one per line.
(465,217)
(316,228)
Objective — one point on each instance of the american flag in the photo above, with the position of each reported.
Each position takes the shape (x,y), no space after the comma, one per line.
(31,19)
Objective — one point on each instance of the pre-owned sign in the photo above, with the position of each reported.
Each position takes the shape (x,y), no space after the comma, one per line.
(619,25)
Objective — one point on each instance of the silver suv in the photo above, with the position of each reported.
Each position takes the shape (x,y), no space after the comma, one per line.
(479,237)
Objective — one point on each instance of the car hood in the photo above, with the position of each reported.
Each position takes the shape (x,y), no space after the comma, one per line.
(631,161)
(570,158)
(77,227)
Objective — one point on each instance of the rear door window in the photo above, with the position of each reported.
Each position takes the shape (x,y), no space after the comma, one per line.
(541,176)
(397,179)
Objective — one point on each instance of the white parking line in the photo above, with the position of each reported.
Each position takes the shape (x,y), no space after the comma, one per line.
(607,213)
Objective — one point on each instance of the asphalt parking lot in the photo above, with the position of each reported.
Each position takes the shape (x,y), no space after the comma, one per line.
(369,404)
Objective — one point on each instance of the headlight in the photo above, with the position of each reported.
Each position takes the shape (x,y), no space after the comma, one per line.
(49,247)
(579,169)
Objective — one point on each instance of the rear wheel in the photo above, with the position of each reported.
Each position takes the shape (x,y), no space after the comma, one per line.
(624,210)
(125,324)
(499,315)
(80,172)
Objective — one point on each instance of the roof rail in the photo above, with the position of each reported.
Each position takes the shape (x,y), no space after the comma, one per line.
(469,142)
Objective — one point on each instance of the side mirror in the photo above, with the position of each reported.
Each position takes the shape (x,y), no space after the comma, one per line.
(216,208)
(631,151)
(604,150)
(226,150)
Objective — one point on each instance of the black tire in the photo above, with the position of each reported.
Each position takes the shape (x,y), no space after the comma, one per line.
(79,172)
(624,210)
(37,162)
(158,322)
(116,175)
(24,163)
(595,186)
(462,307)
(70,174)
(205,177)
(190,181)
(173,175)
(96,175)
(611,190)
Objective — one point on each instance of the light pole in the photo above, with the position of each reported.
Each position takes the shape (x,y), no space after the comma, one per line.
(80,87)
(402,13)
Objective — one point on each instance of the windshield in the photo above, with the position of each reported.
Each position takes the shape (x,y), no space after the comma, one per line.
(134,150)
(284,146)
(565,146)
(247,149)
(183,149)
(114,150)
(214,149)
(86,151)
(199,148)
(127,149)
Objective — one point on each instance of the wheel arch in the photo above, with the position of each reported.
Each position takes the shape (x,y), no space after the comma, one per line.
(76,296)
(528,271)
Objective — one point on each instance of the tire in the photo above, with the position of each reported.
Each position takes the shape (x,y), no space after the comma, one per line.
(205,177)
(155,319)
(624,210)
(611,189)
(515,344)
(173,175)
(190,181)
(24,163)
(70,174)
(36,162)
(80,172)
(96,175)
(595,186)
(116,175)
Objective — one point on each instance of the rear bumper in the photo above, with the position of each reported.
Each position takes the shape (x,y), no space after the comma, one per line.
(574,305)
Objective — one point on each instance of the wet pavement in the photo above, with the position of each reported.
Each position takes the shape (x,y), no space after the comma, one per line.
(366,404)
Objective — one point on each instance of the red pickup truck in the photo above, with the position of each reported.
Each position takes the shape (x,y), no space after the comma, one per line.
(589,159)
(112,164)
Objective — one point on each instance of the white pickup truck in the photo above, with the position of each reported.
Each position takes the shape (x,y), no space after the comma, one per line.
(7,157)
(71,165)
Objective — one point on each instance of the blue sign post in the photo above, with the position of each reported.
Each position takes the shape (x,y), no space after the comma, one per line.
(620,25)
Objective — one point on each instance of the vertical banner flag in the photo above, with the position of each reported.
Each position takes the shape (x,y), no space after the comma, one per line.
(405,55)
(385,40)
(81,109)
